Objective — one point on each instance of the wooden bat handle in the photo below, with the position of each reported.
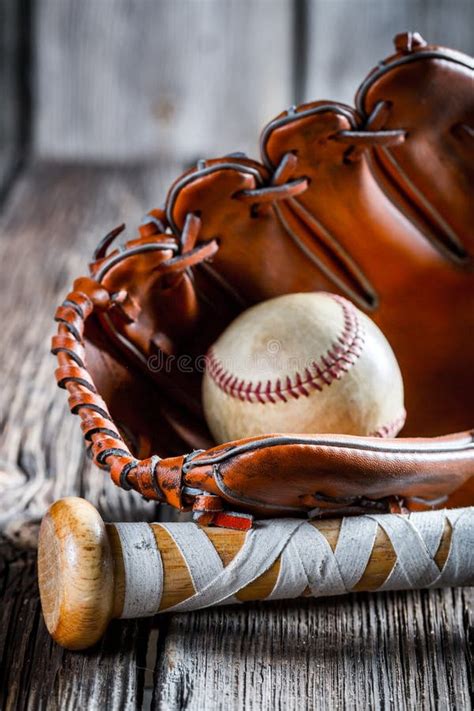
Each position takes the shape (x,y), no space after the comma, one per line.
(82,573)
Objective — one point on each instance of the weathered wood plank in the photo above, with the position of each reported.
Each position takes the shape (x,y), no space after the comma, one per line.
(346,38)
(51,223)
(118,80)
(398,650)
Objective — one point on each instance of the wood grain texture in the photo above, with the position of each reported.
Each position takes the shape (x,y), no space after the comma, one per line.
(121,80)
(395,651)
(346,38)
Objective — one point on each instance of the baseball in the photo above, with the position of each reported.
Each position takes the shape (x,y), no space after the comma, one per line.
(302,363)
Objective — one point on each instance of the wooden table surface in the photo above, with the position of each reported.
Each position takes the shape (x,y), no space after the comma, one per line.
(387,651)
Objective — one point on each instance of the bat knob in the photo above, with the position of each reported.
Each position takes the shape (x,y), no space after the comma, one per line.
(76,573)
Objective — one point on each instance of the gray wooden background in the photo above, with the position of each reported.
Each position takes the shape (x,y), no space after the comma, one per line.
(102,104)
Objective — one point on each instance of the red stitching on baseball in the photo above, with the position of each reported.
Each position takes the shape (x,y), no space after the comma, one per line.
(392,429)
(338,359)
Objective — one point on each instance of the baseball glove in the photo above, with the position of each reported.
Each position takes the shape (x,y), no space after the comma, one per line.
(372,203)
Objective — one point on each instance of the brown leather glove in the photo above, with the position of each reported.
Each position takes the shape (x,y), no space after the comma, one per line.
(373,204)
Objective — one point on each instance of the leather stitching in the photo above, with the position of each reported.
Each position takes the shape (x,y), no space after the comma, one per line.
(331,366)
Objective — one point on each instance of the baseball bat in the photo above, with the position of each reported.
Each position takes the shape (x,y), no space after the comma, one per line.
(91,572)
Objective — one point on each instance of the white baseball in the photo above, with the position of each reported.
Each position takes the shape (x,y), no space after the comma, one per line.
(302,363)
